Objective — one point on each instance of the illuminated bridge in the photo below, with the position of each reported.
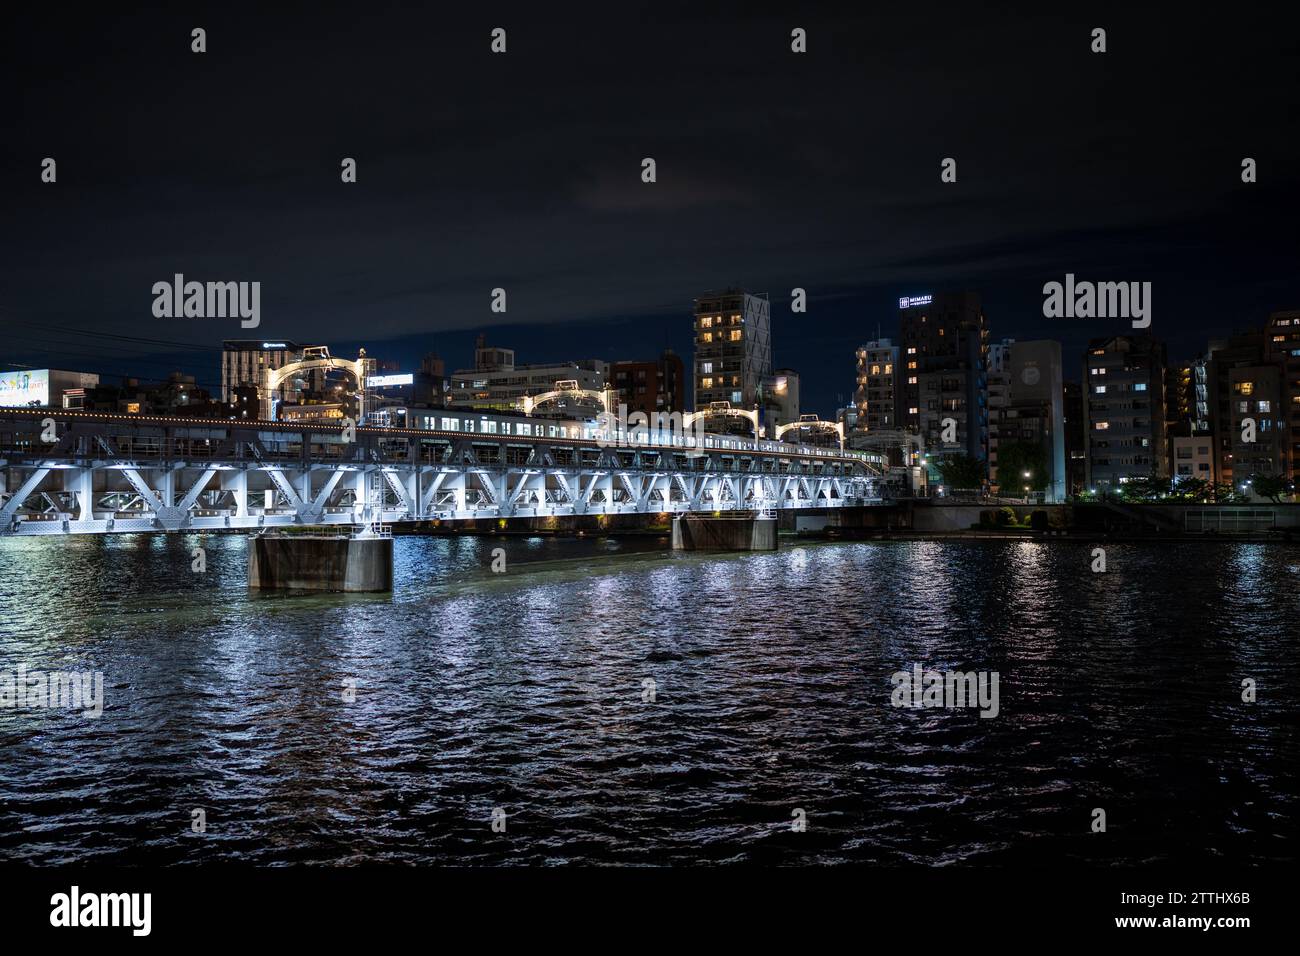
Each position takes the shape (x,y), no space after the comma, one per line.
(67,472)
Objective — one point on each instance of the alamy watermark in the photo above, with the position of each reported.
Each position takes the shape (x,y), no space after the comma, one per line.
(25,689)
(948,689)
(624,429)
(1098,300)
(179,299)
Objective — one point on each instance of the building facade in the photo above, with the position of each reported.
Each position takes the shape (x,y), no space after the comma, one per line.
(944,355)
(499,386)
(45,388)
(244,361)
(651,387)
(1242,371)
(1283,348)
(1027,407)
(876,395)
(733,347)
(1124,414)
(780,399)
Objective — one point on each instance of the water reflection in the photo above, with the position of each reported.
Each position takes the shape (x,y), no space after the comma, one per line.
(475,689)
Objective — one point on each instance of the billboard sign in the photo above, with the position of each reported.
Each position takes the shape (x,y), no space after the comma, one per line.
(380,381)
(25,387)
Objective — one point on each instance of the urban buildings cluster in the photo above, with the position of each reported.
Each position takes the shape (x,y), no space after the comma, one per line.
(1228,418)
(937,394)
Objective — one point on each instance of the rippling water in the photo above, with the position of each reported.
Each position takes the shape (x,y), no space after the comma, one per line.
(524,691)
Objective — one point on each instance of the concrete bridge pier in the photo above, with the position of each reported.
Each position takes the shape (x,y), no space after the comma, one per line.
(321,562)
(742,531)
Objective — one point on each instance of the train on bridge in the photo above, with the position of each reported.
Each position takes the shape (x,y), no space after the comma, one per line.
(70,472)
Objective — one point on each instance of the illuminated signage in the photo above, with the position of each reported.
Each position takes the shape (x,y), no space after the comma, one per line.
(911,302)
(28,387)
(379,381)
(275,345)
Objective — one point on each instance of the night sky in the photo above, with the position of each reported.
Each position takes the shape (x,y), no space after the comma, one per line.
(522,171)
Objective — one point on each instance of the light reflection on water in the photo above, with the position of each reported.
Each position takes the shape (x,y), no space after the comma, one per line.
(523,690)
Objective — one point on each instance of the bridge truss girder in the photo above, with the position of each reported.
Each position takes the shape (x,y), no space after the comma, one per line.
(115,477)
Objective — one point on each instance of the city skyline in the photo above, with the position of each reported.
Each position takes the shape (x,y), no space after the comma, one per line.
(791,191)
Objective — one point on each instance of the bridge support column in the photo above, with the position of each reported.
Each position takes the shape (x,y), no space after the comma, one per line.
(741,532)
(241,494)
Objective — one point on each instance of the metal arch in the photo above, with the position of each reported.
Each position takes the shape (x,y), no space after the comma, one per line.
(274,378)
(805,422)
(606,398)
(724,410)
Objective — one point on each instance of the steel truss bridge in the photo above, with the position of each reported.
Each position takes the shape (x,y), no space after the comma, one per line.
(88,473)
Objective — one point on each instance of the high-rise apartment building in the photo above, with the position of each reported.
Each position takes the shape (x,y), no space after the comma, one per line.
(733,347)
(1241,375)
(944,358)
(876,395)
(1124,410)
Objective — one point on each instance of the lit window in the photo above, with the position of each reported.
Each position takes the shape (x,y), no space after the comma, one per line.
(1101,426)
(889,369)
(1100,389)
(875,370)
(912,350)
(735,335)
(911,364)
(1265,406)
(913,410)
(911,380)
(1140,386)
